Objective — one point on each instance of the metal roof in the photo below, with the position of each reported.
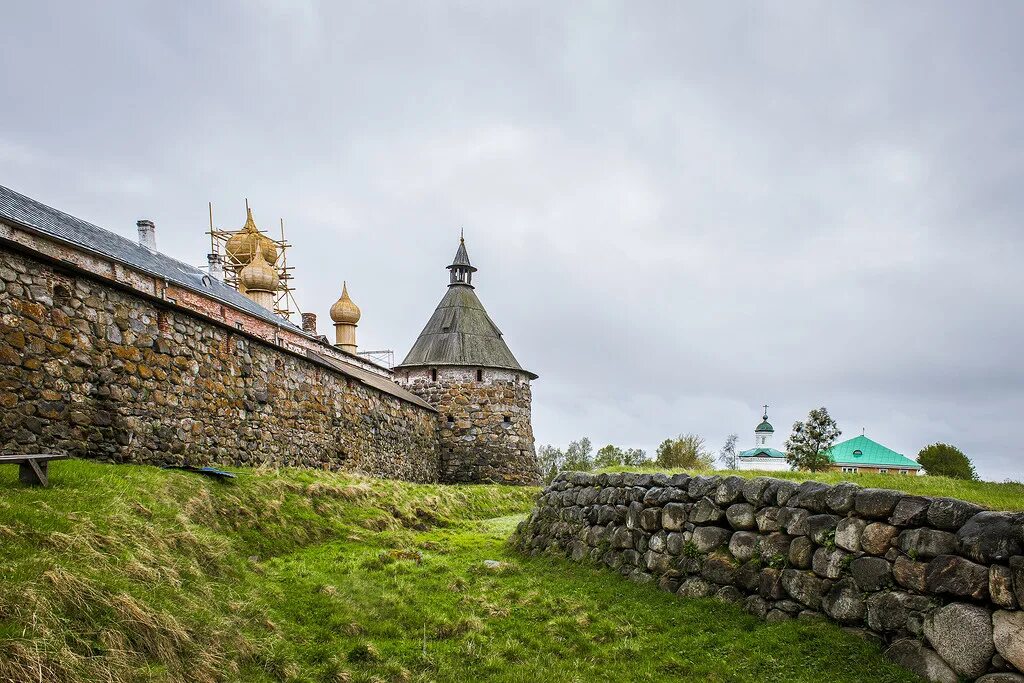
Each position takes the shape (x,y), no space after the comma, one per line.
(762,453)
(25,211)
(461,333)
(765,426)
(862,451)
(21,210)
(462,257)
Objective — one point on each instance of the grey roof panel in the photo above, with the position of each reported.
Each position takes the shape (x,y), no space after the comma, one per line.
(461,333)
(371,379)
(21,210)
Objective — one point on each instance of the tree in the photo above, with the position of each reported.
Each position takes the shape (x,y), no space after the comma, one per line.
(728,455)
(686,451)
(609,456)
(946,461)
(578,456)
(635,457)
(807,446)
(551,460)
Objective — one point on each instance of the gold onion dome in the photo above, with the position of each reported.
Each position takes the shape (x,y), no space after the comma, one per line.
(242,245)
(343,310)
(259,275)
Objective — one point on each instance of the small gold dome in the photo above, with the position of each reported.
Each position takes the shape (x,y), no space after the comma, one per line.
(259,275)
(343,310)
(242,245)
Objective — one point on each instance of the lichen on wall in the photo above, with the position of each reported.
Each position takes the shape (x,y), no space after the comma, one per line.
(938,582)
(484,418)
(94,370)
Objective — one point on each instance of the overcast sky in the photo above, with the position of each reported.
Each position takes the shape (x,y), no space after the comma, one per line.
(680,211)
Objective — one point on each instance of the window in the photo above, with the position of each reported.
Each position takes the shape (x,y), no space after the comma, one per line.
(904,471)
(451,420)
(433,374)
(882,470)
(479,375)
(508,420)
(850,470)
(762,440)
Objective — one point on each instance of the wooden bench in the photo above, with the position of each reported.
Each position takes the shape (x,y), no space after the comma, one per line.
(32,467)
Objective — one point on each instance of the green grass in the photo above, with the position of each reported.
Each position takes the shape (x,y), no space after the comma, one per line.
(997,496)
(125,573)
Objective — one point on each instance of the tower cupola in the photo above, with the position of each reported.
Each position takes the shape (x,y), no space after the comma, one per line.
(764,432)
(345,315)
(461,270)
(260,281)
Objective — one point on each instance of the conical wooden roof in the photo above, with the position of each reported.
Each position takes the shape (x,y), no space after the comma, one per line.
(461,333)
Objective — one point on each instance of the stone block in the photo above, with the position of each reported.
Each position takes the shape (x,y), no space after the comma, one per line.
(743,544)
(923,661)
(962,635)
(741,516)
(953,575)
(1008,635)
(877,503)
(707,538)
(844,603)
(927,543)
(989,537)
(911,511)
(1000,587)
(950,514)
(705,511)
(804,587)
(842,497)
(878,537)
(849,532)
(801,552)
(768,520)
(673,517)
(871,573)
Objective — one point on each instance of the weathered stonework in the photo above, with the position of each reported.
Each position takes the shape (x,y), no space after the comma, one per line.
(485,429)
(94,369)
(944,600)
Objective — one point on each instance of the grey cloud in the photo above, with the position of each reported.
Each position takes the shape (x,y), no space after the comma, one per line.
(679,210)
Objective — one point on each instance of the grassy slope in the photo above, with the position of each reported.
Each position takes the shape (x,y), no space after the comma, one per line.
(1004,496)
(135,574)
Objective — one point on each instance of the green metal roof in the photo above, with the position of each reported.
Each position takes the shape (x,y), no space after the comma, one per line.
(762,453)
(765,426)
(861,450)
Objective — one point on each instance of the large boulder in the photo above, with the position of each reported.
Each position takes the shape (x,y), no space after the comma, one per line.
(673,517)
(707,538)
(915,656)
(650,519)
(822,528)
(876,503)
(1000,587)
(910,574)
(774,548)
(911,511)
(950,513)
(794,521)
(729,490)
(753,490)
(871,573)
(810,495)
(841,498)
(878,537)
(962,635)
(924,544)
(844,603)
(989,537)
(705,511)
(703,486)
(896,611)
(801,552)
(768,520)
(804,587)
(1008,634)
(720,568)
(829,564)
(849,532)
(695,587)
(1017,570)
(953,575)
(741,516)
(743,544)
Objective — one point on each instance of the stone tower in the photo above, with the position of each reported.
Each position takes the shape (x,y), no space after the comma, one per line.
(462,366)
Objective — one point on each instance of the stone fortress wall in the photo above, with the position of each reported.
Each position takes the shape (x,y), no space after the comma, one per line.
(94,369)
(938,582)
(486,433)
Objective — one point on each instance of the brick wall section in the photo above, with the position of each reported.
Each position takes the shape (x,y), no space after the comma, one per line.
(485,429)
(95,370)
(938,582)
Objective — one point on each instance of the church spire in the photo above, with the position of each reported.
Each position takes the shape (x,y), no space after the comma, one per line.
(461,270)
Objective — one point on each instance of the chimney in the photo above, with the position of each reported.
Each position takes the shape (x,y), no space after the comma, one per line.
(309,323)
(216,266)
(147,234)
